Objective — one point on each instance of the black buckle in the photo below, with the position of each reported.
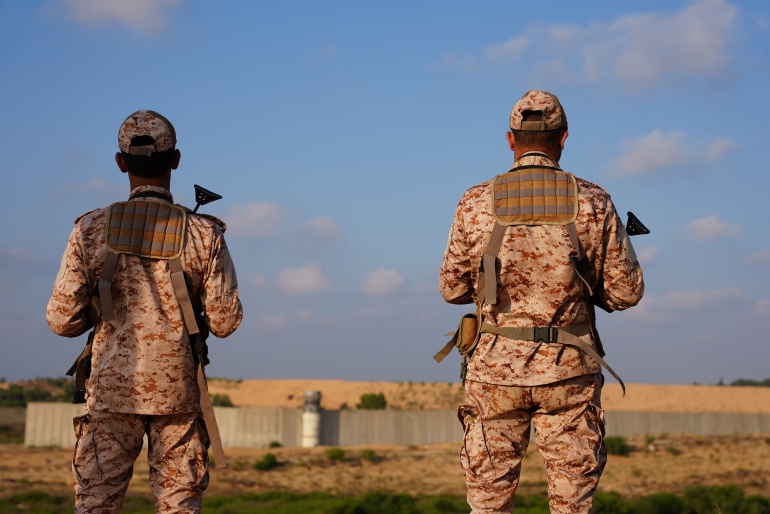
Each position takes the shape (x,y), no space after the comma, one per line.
(545,334)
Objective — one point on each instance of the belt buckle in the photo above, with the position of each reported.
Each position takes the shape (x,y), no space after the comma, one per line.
(545,334)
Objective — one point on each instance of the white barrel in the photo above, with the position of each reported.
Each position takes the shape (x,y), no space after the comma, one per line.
(311,419)
(311,429)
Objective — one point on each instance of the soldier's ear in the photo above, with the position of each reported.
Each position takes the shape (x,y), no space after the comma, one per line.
(121,162)
(511,141)
(175,160)
(564,138)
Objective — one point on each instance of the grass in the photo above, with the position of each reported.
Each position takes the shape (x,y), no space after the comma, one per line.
(695,500)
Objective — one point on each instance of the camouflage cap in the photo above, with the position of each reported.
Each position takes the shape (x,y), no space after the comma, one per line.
(539,101)
(146,123)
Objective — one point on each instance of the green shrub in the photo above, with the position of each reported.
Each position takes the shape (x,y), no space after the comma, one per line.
(336,454)
(372,401)
(617,445)
(379,503)
(13,396)
(19,395)
(369,455)
(269,461)
(756,505)
(659,503)
(221,400)
(274,444)
(610,503)
(726,499)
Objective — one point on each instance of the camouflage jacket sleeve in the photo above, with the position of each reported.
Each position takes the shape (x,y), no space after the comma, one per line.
(219,296)
(68,307)
(457,274)
(621,283)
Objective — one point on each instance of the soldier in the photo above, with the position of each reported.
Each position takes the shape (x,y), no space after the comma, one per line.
(559,248)
(140,272)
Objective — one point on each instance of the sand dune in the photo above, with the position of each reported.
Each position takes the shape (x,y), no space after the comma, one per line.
(415,395)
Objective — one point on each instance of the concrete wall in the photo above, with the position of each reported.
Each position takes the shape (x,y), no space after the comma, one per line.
(630,424)
(50,424)
(355,428)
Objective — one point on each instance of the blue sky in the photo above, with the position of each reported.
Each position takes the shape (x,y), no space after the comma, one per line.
(342,134)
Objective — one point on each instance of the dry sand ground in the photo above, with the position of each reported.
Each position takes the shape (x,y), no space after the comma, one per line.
(669,464)
(675,464)
(418,395)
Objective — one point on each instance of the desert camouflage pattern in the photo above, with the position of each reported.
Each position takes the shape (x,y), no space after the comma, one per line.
(108,444)
(142,362)
(569,431)
(538,286)
(147,123)
(543,101)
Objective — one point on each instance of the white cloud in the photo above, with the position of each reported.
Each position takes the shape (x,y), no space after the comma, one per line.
(761,258)
(277,321)
(256,280)
(18,257)
(763,307)
(381,282)
(97,188)
(710,229)
(449,60)
(675,305)
(716,149)
(509,50)
(660,151)
(257,220)
(648,255)
(327,53)
(689,43)
(79,157)
(144,16)
(651,153)
(303,281)
(320,228)
(640,51)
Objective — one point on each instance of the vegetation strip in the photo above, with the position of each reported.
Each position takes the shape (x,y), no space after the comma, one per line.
(695,500)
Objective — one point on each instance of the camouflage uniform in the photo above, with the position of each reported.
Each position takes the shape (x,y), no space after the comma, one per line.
(143,376)
(513,383)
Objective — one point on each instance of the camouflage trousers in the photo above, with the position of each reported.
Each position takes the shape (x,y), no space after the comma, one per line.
(569,431)
(108,444)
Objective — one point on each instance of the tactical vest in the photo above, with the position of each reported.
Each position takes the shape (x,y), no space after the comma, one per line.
(529,195)
(151,230)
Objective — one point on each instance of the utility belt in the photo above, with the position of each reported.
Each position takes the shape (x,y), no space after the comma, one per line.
(569,335)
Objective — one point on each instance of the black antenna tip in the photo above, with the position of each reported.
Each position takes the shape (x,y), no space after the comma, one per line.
(204,196)
(634,227)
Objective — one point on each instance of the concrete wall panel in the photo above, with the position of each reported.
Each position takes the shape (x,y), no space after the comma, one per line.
(50,424)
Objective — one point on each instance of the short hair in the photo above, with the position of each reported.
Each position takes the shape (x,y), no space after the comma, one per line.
(537,139)
(148,166)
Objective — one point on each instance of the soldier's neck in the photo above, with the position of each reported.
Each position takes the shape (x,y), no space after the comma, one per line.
(163,181)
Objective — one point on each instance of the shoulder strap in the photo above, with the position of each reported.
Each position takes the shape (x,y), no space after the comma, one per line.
(488,293)
(105,285)
(199,347)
